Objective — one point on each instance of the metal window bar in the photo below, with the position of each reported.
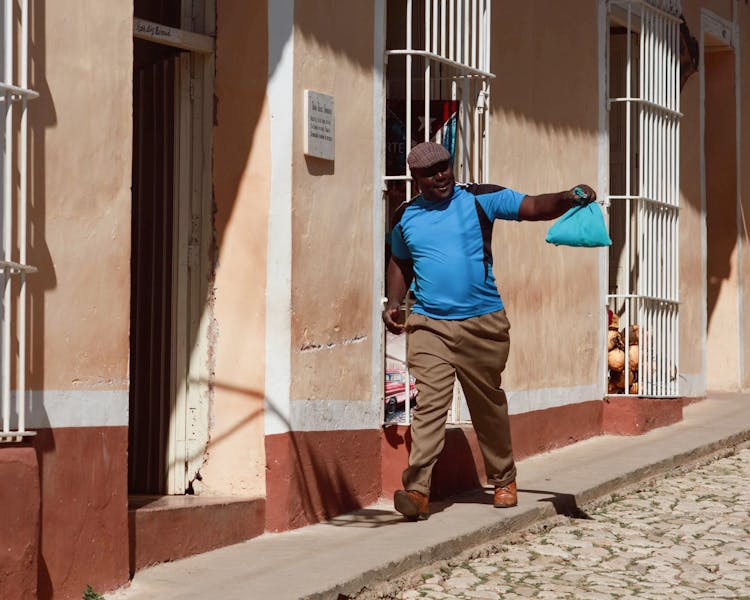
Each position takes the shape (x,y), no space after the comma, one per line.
(456,57)
(645,209)
(15,97)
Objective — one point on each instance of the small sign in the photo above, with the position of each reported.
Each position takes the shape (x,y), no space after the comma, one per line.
(319,131)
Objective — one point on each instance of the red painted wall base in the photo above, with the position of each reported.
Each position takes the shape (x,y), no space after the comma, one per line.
(460,466)
(164,528)
(84,526)
(19,527)
(635,416)
(315,475)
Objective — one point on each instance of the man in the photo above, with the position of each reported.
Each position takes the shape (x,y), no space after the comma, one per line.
(458,326)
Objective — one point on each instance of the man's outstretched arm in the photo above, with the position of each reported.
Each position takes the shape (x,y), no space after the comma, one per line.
(545,207)
(397,280)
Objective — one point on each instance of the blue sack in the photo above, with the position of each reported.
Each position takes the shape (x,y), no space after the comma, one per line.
(581,226)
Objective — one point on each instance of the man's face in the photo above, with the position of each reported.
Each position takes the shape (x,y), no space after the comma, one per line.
(435,182)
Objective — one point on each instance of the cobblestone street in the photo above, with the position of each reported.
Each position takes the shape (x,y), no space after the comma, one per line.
(683,536)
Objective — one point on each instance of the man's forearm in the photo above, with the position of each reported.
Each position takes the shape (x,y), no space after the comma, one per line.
(396,284)
(545,207)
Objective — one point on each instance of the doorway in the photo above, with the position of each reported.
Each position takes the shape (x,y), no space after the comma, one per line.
(171,245)
(152,232)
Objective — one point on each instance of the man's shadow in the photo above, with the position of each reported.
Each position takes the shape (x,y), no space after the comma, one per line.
(564,504)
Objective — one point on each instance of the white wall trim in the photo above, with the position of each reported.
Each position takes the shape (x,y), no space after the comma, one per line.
(740,222)
(704,232)
(692,385)
(279,260)
(347,414)
(603,188)
(530,400)
(334,415)
(718,27)
(74,408)
(378,211)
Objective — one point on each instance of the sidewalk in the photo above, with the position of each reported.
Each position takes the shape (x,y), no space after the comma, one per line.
(374,544)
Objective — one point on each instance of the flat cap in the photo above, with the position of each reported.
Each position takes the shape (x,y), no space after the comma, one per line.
(427,154)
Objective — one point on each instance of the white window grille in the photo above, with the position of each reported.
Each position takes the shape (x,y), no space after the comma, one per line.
(438,59)
(643,101)
(13,173)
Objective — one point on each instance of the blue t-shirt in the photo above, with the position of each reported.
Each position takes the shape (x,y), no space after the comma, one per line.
(450,244)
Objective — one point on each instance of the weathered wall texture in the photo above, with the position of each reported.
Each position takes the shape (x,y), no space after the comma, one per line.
(19,528)
(80,143)
(241,170)
(79,301)
(544,139)
(315,475)
(84,524)
(332,274)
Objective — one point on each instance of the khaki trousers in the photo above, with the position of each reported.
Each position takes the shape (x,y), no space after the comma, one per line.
(475,351)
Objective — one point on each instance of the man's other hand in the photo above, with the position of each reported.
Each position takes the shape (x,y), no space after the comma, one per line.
(391,318)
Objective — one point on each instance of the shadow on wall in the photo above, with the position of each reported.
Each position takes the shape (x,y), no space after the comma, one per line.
(720,173)
(252,395)
(521,101)
(42,116)
(242,76)
(304,484)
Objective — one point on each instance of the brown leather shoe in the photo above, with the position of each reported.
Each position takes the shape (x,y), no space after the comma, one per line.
(412,504)
(506,496)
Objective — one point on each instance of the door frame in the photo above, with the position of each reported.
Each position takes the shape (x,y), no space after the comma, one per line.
(192,241)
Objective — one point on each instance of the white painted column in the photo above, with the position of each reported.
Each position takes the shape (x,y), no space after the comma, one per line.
(378,208)
(603,187)
(279,260)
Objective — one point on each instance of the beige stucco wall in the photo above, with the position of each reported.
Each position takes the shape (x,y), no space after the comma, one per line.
(743,14)
(80,157)
(331,330)
(692,283)
(692,296)
(722,351)
(235,461)
(544,138)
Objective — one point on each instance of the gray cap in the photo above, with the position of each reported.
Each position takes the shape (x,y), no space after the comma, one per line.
(427,154)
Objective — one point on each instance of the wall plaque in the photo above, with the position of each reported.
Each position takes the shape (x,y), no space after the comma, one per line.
(319,121)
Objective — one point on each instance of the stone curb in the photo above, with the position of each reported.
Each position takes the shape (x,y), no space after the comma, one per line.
(367,584)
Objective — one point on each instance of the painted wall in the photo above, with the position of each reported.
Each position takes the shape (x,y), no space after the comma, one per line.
(693,269)
(73,124)
(19,528)
(323,446)
(79,302)
(692,296)
(743,14)
(332,207)
(721,222)
(544,132)
(235,461)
